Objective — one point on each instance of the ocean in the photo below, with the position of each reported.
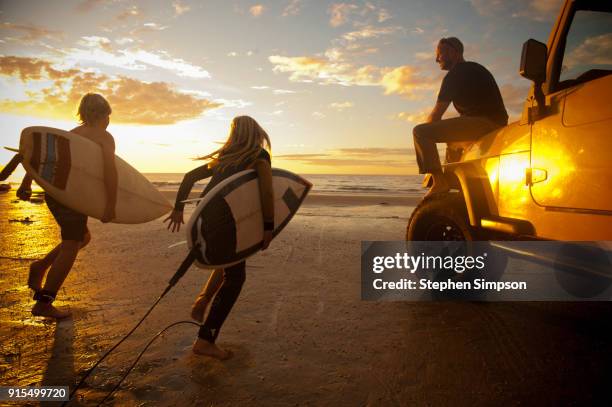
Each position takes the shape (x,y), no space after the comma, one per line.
(400,185)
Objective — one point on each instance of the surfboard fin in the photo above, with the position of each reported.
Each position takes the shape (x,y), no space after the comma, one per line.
(15,150)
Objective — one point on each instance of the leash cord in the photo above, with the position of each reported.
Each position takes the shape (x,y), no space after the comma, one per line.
(180,272)
(142,353)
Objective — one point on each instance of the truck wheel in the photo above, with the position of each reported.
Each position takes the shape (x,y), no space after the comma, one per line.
(444,217)
(439,218)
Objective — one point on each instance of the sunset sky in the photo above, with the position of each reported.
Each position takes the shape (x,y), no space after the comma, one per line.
(338,86)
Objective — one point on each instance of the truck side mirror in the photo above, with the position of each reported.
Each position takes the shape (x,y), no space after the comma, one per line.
(533,61)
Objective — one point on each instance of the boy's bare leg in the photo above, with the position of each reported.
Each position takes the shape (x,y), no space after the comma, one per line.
(39,267)
(215,280)
(58,273)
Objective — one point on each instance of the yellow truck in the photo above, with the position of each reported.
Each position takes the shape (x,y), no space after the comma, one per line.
(549,174)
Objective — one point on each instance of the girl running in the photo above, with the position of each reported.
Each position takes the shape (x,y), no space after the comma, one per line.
(244,149)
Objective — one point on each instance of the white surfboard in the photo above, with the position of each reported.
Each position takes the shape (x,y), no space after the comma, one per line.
(228,222)
(69,167)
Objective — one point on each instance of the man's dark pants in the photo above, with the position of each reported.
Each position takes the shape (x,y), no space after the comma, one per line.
(465,128)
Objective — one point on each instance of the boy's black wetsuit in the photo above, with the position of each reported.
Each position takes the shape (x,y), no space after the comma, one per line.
(233,276)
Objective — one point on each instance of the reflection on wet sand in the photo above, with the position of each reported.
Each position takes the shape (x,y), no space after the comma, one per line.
(28,231)
(60,367)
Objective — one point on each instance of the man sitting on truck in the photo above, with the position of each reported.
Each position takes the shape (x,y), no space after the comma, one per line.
(475,95)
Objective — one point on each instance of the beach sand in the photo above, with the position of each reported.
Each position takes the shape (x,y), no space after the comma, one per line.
(299,332)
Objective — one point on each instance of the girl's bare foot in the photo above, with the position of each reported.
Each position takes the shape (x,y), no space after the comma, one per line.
(198,309)
(42,309)
(205,348)
(37,273)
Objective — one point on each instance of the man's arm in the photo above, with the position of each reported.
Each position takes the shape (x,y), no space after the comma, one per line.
(110,177)
(437,112)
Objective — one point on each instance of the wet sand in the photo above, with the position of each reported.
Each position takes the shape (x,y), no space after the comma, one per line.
(299,332)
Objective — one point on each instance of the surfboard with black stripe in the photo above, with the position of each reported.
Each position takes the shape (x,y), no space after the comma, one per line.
(69,167)
(228,221)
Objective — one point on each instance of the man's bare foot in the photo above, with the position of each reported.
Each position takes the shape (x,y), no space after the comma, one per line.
(37,273)
(42,309)
(198,309)
(205,348)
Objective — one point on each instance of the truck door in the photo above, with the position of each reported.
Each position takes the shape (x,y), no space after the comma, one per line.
(571,146)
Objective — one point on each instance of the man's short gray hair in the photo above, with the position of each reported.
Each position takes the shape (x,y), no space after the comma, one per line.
(454,43)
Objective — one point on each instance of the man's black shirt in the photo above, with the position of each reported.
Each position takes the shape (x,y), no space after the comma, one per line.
(473,91)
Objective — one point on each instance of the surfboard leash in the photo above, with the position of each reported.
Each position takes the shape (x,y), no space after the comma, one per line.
(180,272)
(142,353)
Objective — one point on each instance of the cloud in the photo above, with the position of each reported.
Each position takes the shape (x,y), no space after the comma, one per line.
(32,33)
(404,80)
(236,103)
(339,13)
(369,32)
(383,15)
(376,151)
(318,115)
(293,8)
(180,8)
(99,50)
(283,91)
(256,10)
(424,56)
(368,13)
(340,106)
(260,87)
(300,156)
(359,42)
(133,101)
(356,157)
(538,10)
(152,27)
(130,12)
(514,98)
(95,41)
(28,69)
(413,117)
(88,5)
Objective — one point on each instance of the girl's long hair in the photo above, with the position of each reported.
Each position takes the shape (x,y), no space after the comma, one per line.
(245,141)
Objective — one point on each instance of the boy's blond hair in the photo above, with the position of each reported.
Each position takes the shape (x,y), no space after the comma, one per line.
(92,108)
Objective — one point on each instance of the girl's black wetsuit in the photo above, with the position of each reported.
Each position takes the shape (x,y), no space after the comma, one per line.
(233,276)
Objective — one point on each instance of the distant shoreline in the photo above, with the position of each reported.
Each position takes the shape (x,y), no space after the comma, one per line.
(333,199)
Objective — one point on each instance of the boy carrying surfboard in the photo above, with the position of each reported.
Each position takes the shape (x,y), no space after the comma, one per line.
(94,113)
(244,149)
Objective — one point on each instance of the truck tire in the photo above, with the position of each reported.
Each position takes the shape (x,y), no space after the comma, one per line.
(444,217)
(441,217)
